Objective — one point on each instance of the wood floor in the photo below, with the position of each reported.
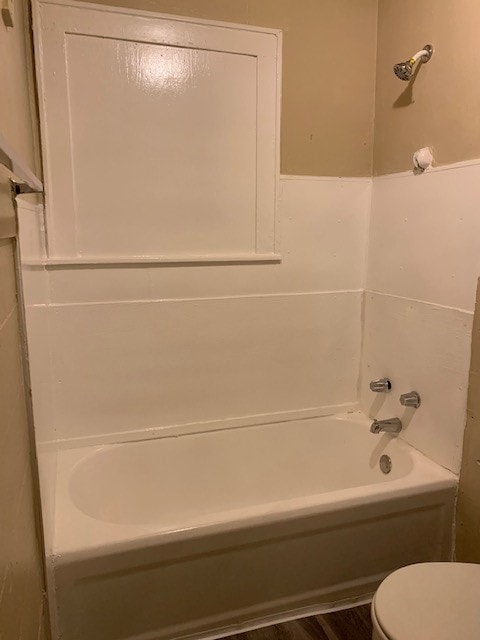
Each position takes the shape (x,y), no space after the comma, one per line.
(350,624)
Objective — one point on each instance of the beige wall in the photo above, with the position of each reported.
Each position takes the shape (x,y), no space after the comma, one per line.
(16,86)
(328,110)
(22,600)
(327,104)
(441,108)
(21,572)
(468,511)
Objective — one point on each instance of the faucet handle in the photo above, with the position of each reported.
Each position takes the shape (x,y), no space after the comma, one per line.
(383,385)
(411,399)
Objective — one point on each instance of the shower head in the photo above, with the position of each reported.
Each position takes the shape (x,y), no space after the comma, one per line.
(404,70)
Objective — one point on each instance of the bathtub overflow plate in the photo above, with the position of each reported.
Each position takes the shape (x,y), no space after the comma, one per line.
(385,464)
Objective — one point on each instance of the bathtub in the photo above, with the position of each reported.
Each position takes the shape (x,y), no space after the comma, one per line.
(204,535)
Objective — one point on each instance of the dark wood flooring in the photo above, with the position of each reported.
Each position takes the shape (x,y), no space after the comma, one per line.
(349,624)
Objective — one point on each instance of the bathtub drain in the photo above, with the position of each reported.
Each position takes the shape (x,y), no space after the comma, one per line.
(386,464)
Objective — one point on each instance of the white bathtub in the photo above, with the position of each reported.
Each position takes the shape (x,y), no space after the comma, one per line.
(206,534)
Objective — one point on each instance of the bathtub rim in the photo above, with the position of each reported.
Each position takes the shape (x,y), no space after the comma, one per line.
(86,537)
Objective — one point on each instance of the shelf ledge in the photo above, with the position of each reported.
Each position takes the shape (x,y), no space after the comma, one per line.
(112,261)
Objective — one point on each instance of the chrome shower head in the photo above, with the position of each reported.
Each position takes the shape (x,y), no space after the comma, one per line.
(404,70)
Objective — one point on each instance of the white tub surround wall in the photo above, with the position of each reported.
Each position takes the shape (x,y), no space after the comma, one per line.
(423,264)
(322,229)
(140,352)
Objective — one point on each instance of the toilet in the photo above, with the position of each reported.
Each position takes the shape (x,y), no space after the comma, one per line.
(429,601)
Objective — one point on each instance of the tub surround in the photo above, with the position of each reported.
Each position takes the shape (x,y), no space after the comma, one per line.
(249,359)
(416,310)
(426,348)
(248,330)
(422,270)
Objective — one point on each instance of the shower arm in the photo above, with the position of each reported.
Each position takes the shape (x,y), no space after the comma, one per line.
(425,54)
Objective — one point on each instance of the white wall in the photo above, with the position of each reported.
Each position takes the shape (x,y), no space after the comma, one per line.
(423,264)
(149,348)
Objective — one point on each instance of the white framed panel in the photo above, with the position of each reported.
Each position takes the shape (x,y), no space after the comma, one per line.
(160,135)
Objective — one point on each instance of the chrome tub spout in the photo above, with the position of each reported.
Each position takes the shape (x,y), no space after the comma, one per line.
(392,425)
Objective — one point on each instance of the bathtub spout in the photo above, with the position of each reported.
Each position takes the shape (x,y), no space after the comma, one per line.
(392,425)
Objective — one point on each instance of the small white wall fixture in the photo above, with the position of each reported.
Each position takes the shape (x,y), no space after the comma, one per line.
(133,171)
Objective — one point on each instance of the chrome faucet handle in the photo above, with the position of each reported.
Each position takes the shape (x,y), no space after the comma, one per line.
(411,399)
(383,385)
